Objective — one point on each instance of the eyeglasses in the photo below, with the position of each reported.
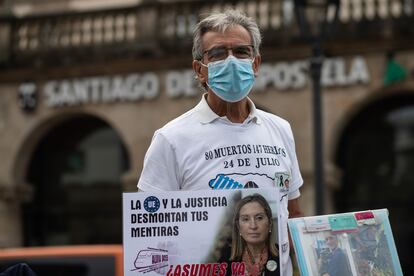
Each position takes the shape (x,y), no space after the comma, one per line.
(247,219)
(222,52)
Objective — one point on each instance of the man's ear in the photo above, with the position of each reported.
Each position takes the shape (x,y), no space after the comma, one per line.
(256,64)
(198,70)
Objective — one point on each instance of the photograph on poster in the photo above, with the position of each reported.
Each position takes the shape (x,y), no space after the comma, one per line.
(370,251)
(194,232)
(345,244)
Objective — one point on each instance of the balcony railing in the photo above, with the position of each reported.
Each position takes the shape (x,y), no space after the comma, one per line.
(157,28)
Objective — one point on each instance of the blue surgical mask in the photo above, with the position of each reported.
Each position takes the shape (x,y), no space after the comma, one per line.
(231,79)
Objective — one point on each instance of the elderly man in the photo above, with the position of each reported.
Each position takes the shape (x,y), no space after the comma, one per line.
(225,142)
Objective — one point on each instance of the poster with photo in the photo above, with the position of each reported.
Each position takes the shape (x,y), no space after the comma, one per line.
(357,243)
(190,232)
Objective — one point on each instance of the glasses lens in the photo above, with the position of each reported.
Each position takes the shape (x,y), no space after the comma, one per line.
(217,53)
(243,52)
(221,52)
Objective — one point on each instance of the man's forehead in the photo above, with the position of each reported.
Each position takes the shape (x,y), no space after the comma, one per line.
(233,35)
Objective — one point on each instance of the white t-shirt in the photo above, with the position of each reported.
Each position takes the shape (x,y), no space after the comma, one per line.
(200,150)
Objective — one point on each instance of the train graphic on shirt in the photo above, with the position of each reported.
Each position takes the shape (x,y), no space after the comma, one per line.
(231,181)
(228,181)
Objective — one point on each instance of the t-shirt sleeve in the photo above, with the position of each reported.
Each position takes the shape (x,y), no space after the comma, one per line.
(160,172)
(297,180)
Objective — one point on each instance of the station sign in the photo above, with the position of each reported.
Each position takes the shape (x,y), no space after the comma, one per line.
(279,76)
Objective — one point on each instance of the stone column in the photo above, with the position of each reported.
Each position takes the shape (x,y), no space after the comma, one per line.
(11,198)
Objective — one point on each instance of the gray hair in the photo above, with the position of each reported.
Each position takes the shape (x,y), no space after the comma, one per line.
(219,22)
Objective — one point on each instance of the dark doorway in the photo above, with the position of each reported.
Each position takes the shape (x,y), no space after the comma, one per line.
(377,169)
(75,172)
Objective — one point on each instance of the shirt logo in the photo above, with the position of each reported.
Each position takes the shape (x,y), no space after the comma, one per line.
(222,182)
(232,181)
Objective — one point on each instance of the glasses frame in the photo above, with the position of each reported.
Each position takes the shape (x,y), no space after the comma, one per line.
(228,49)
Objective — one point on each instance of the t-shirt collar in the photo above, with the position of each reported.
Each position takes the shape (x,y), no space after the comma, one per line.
(207,115)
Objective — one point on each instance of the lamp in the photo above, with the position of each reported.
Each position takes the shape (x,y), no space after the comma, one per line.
(315,19)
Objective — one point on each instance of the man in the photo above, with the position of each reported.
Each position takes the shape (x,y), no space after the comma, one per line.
(225,142)
(337,262)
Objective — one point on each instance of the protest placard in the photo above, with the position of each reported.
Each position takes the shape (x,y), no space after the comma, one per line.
(185,232)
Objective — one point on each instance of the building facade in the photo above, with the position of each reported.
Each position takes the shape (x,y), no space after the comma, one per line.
(82,92)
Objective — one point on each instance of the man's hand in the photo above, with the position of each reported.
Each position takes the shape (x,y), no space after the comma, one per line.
(294,208)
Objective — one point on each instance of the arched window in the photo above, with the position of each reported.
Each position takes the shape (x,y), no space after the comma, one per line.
(376,155)
(75,172)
